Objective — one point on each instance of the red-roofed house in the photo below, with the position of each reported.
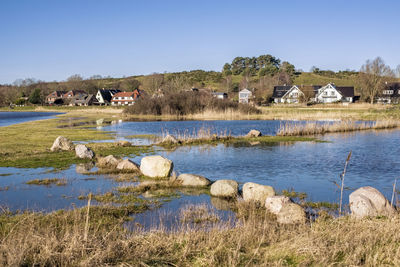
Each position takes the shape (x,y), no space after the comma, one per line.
(125,98)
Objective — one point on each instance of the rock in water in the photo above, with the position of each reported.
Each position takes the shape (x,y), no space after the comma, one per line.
(126,164)
(124,143)
(83,152)
(186,179)
(170,139)
(224,188)
(257,193)
(254,133)
(285,210)
(62,143)
(156,166)
(110,162)
(368,201)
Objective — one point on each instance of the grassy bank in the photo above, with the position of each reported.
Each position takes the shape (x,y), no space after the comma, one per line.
(200,239)
(27,145)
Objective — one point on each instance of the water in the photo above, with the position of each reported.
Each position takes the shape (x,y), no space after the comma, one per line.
(9,118)
(309,167)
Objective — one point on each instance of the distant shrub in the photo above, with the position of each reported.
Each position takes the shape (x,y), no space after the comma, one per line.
(186,103)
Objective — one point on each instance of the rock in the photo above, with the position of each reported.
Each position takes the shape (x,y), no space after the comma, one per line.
(254,133)
(275,203)
(126,164)
(224,188)
(110,162)
(156,166)
(291,213)
(186,179)
(368,201)
(124,143)
(286,211)
(256,192)
(170,139)
(62,143)
(83,152)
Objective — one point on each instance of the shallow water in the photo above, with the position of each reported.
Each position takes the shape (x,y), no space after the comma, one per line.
(303,166)
(9,118)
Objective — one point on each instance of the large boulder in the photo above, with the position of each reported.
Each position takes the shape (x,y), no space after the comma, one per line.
(62,143)
(257,192)
(126,164)
(254,133)
(109,162)
(224,188)
(156,166)
(368,201)
(285,210)
(83,152)
(186,179)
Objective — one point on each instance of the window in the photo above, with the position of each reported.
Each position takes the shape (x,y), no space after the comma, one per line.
(332,93)
(295,94)
(325,93)
(388,92)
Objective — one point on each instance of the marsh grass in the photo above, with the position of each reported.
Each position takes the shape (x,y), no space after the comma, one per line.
(48,182)
(253,239)
(315,128)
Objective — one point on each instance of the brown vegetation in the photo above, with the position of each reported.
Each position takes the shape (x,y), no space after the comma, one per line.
(186,103)
(313,128)
(202,239)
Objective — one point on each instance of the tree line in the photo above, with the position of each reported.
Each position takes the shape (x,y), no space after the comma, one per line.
(260,73)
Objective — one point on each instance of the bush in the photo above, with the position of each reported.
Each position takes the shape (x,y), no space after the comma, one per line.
(186,103)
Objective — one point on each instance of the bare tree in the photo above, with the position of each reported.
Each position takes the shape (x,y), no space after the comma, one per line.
(372,78)
(398,71)
(153,82)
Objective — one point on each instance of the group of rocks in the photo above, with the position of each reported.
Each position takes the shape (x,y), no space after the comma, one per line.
(365,201)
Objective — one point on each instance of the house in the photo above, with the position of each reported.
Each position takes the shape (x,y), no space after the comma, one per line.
(125,98)
(287,94)
(104,96)
(245,96)
(83,100)
(390,94)
(316,93)
(220,95)
(331,94)
(55,97)
(73,93)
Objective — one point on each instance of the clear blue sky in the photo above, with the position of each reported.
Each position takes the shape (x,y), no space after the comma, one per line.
(51,40)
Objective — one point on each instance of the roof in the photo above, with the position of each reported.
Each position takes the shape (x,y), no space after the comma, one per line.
(124,94)
(281,90)
(58,93)
(245,91)
(107,94)
(346,91)
(83,99)
(218,93)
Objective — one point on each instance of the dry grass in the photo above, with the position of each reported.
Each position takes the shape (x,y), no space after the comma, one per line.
(313,128)
(255,239)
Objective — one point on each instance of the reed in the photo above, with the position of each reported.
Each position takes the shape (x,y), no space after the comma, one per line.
(199,238)
(315,128)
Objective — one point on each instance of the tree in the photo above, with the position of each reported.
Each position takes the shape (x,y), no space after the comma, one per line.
(129,84)
(153,82)
(373,77)
(35,97)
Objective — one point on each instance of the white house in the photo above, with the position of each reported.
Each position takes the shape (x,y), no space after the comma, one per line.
(245,96)
(287,94)
(104,96)
(330,94)
(220,95)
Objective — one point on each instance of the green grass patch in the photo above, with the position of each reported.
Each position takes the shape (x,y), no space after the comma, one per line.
(48,181)
(142,136)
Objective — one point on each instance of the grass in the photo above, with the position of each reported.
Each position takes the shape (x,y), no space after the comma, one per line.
(313,128)
(239,141)
(27,145)
(48,182)
(200,239)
